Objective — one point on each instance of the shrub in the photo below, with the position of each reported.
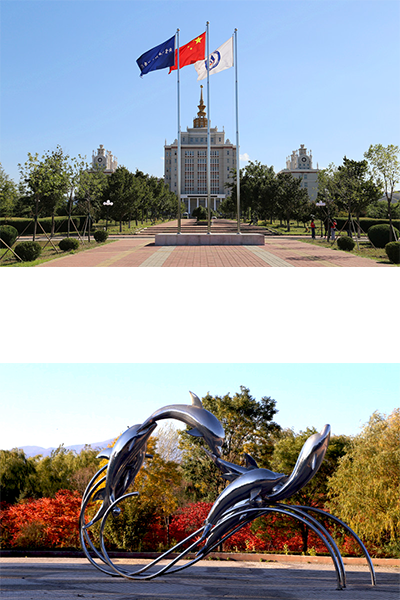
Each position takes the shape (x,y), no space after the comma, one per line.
(9,234)
(345,243)
(379,235)
(28,250)
(200,213)
(393,252)
(68,244)
(100,235)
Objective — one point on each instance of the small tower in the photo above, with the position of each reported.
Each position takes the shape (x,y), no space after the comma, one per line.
(107,162)
(201,119)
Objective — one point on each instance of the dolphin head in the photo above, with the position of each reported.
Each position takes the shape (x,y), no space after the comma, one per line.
(203,423)
(308,462)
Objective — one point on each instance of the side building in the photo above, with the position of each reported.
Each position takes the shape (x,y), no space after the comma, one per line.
(194,163)
(299,164)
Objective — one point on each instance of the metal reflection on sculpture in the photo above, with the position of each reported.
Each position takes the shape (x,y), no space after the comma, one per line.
(251,493)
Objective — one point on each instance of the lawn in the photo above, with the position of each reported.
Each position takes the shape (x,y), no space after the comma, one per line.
(48,253)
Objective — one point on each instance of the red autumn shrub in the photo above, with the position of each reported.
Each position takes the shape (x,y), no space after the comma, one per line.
(188,519)
(43,523)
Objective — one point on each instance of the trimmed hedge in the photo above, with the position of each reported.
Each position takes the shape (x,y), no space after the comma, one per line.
(100,235)
(68,244)
(345,242)
(9,234)
(379,235)
(20,223)
(366,223)
(28,251)
(393,252)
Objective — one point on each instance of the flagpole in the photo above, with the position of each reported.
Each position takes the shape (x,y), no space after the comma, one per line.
(179,139)
(208,133)
(237,137)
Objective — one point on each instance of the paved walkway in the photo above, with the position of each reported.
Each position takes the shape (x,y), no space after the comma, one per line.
(277,252)
(67,579)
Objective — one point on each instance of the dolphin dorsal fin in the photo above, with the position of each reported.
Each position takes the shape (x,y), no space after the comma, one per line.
(250,462)
(254,494)
(196,400)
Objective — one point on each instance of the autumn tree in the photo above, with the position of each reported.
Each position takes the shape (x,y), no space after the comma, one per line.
(364,490)
(157,483)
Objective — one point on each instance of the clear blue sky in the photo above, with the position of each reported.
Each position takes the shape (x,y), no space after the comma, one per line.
(321,73)
(50,404)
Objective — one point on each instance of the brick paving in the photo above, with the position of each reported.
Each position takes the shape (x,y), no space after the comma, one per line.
(277,252)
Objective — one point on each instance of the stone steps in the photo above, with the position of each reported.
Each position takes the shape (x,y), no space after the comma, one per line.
(155,229)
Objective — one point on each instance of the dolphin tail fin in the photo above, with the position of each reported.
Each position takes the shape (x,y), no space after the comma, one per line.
(99,495)
(195,432)
(106,453)
(195,400)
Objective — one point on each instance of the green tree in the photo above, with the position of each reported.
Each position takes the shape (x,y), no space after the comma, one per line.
(17,474)
(290,196)
(45,182)
(8,194)
(90,194)
(249,428)
(286,451)
(364,490)
(64,470)
(257,190)
(385,168)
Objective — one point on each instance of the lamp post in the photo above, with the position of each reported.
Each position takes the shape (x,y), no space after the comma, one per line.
(108,204)
(320,204)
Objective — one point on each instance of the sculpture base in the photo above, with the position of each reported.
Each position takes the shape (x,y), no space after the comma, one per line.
(209,239)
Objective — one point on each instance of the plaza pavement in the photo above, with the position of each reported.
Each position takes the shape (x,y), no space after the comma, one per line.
(278,251)
(70,578)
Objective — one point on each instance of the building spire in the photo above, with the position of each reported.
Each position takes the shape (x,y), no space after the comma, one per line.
(201,120)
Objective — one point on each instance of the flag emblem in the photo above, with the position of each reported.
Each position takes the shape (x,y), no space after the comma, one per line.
(220,59)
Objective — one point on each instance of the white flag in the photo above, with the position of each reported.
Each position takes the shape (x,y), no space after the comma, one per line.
(220,60)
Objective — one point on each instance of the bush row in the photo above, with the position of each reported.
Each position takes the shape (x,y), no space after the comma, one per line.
(366,223)
(61,224)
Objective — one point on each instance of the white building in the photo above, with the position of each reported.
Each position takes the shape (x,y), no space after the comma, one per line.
(105,160)
(299,164)
(194,163)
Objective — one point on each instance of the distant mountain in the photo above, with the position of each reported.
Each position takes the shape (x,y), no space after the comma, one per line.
(35,450)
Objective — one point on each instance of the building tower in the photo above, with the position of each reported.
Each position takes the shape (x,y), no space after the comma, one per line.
(104,160)
(299,164)
(194,163)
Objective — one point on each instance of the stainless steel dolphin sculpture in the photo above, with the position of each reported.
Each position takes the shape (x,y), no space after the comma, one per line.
(309,461)
(125,459)
(248,489)
(204,424)
(231,471)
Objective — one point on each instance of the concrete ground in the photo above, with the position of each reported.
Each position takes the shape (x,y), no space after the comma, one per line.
(70,578)
(276,252)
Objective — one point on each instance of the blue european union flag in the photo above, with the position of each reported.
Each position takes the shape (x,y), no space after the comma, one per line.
(160,57)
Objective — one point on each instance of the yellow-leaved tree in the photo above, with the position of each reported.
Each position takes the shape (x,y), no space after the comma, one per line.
(364,490)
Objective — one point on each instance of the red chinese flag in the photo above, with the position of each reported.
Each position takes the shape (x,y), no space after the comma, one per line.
(190,53)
